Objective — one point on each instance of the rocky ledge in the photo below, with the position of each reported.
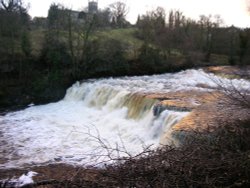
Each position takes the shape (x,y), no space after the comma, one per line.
(207,109)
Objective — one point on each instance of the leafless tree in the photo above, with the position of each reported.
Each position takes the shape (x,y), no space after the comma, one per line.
(119,10)
(11,5)
(235,95)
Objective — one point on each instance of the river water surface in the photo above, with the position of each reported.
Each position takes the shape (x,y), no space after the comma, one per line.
(96,119)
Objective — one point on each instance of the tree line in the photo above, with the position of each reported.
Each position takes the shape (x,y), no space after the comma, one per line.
(198,40)
(42,54)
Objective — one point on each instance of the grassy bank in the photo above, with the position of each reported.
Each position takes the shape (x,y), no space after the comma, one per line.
(44,75)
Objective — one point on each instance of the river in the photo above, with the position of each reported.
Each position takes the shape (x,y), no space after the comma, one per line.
(98,120)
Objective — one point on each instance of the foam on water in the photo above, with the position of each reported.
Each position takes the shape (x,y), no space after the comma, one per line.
(23,180)
(95,118)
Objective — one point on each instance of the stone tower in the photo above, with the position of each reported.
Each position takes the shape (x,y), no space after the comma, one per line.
(93,6)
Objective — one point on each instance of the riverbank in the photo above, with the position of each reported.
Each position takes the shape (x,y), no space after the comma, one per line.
(16,93)
(200,162)
(208,117)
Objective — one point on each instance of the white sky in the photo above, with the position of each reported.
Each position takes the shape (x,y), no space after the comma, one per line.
(233,12)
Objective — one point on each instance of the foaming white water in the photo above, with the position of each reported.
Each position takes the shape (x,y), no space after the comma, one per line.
(184,80)
(94,119)
(68,131)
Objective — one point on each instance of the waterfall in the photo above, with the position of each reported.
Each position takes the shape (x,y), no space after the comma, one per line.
(68,131)
(96,117)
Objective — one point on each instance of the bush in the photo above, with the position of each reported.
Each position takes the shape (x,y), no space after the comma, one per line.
(151,59)
(54,53)
(217,159)
(106,57)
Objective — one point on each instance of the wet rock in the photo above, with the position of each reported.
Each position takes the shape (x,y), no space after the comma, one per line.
(69,156)
(58,159)
(158,109)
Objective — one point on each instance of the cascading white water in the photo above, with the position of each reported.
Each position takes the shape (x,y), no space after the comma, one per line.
(95,118)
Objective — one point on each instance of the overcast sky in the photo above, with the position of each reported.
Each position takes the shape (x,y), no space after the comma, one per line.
(233,12)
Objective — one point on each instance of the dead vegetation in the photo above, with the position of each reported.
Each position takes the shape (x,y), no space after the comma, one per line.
(218,158)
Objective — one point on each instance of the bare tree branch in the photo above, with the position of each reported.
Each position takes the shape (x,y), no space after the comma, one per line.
(119,10)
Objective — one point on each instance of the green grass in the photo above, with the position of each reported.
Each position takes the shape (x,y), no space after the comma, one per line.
(125,36)
(37,39)
(219,59)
